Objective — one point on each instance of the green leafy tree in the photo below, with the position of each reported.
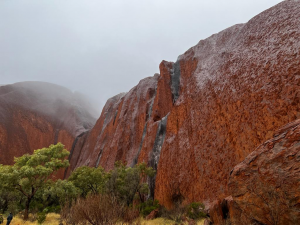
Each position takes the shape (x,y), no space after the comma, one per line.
(196,210)
(54,195)
(62,191)
(125,182)
(122,182)
(89,180)
(30,172)
(148,206)
(9,198)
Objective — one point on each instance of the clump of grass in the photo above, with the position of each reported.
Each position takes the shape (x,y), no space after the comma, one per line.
(51,219)
(163,221)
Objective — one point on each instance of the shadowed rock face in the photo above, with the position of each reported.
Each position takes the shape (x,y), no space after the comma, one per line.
(265,186)
(205,113)
(118,134)
(34,115)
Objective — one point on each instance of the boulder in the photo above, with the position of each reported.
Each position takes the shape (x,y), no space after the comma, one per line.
(152,215)
(226,211)
(265,186)
(216,213)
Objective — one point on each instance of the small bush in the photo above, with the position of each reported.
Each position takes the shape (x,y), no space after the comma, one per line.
(98,210)
(41,217)
(130,214)
(195,210)
(179,212)
(53,209)
(176,214)
(148,206)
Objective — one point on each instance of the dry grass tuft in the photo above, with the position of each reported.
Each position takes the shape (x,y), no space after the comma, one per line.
(52,219)
(162,221)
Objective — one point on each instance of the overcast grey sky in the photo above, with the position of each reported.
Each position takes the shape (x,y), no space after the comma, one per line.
(103,47)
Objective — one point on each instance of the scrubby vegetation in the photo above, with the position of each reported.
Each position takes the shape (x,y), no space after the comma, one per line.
(88,196)
(26,180)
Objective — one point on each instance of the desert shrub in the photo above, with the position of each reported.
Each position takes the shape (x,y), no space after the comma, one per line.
(89,180)
(98,210)
(66,214)
(148,206)
(127,182)
(195,210)
(130,215)
(53,209)
(41,217)
(177,213)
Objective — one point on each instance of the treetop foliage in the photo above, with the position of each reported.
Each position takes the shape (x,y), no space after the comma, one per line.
(30,172)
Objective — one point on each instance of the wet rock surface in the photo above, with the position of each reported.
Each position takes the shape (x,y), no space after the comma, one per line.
(193,122)
(265,186)
(121,130)
(34,115)
(222,98)
(237,87)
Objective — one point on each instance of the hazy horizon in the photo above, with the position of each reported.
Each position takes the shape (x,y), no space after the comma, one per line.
(101,49)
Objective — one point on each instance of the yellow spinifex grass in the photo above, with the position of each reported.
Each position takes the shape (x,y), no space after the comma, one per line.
(51,219)
(162,221)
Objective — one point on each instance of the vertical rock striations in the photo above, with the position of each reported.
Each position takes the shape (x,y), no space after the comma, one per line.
(155,154)
(122,127)
(205,113)
(236,88)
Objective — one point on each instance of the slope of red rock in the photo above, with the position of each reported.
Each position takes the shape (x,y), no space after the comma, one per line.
(203,114)
(34,115)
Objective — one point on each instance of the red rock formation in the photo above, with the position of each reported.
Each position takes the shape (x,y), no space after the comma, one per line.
(118,134)
(34,115)
(205,113)
(237,87)
(152,215)
(265,186)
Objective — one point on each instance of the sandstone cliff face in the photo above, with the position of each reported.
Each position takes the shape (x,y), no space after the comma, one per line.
(34,115)
(120,129)
(265,186)
(206,112)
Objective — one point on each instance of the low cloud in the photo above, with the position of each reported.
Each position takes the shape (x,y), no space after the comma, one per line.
(102,48)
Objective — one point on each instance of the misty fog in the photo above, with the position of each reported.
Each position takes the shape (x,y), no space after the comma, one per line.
(102,48)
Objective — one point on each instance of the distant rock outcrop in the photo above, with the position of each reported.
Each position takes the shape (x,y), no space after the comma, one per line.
(265,186)
(34,115)
(203,114)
